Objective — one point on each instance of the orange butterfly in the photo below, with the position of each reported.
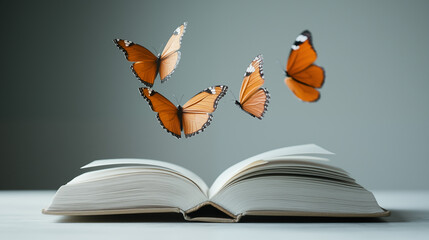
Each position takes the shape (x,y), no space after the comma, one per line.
(303,77)
(146,65)
(192,118)
(253,98)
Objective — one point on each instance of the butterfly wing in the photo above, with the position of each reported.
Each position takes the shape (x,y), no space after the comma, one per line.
(167,113)
(253,79)
(302,54)
(304,75)
(170,56)
(313,76)
(254,99)
(257,104)
(302,91)
(175,41)
(168,65)
(197,112)
(145,66)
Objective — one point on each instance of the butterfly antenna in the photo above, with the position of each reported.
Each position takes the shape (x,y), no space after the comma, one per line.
(235,99)
(175,99)
(281,66)
(181,98)
(155,51)
(162,47)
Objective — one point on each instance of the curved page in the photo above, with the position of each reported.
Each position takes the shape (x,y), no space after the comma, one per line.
(259,159)
(153,163)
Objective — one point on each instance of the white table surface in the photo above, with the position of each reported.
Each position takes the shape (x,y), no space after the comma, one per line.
(21,218)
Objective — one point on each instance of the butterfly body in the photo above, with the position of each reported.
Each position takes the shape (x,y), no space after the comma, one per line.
(146,65)
(238,104)
(304,77)
(180,115)
(254,98)
(191,118)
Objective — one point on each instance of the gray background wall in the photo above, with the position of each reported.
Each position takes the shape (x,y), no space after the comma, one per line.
(68,96)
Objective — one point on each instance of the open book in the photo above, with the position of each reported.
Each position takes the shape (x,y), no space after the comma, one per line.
(290,181)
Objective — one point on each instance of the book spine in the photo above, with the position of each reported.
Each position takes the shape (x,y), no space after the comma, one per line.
(210,212)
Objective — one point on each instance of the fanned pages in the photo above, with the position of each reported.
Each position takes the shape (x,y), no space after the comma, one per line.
(146,65)
(260,159)
(291,181)
(154,163)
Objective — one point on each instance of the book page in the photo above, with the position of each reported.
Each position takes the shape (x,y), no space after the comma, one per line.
(229,173)
(152,163)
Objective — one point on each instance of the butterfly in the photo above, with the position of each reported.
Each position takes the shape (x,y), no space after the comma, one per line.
(303,77)
(253,98)
(191,118)
(146,65)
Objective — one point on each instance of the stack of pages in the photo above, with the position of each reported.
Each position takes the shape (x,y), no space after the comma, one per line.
(290,181)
